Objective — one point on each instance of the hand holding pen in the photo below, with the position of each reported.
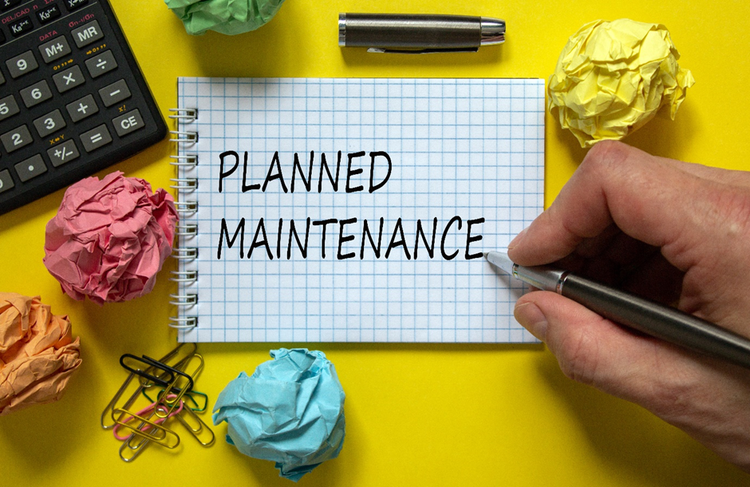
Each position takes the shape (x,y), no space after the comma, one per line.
(670,231)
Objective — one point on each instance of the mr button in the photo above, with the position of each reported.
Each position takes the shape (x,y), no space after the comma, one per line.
(130,122)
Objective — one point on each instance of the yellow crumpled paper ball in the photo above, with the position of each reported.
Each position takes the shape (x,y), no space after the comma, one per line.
(612,78)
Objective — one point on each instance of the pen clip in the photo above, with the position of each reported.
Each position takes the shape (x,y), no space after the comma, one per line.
(381,50)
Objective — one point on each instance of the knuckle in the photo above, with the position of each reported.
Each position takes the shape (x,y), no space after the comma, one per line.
(578,356)
(734,208)
(604,154)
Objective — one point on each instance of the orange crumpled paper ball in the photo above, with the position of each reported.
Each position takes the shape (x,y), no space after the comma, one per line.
(37,353)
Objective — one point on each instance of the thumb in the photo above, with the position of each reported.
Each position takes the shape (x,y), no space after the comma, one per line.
(594,350)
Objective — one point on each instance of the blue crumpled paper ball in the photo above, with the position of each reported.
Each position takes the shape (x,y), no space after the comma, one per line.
(290,411)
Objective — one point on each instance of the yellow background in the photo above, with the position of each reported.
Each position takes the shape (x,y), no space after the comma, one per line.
(434,415)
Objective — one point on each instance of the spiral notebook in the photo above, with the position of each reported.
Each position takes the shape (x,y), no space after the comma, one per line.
(330,210)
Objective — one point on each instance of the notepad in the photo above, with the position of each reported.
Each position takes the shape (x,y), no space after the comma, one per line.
(353,210)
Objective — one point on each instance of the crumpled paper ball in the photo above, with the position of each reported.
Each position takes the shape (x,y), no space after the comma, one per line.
(37,353)
(612,78)
(224,16)
(290,411)
(110,238)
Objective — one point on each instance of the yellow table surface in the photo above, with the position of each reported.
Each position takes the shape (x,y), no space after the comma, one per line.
(416,414)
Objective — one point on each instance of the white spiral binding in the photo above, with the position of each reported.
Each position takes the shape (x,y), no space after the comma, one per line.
(183,184)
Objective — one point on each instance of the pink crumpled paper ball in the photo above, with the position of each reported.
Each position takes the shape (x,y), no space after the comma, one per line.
(37,353)
(110,238)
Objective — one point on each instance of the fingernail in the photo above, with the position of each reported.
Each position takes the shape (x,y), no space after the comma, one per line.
(517,240)
(532,318)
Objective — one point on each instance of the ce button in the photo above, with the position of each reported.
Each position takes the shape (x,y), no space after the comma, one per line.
(128,123)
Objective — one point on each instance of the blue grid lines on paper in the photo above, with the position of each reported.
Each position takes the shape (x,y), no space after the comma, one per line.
(459,147)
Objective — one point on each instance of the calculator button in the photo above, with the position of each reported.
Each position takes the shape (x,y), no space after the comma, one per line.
(22,64)
(30,168)
(130,122)
(86,34)
(98,137)
(2,37)
(75,4)
(103,63)
(54,49)
(21,26)
(6,182)
(114,93)
(47,124)
(82,108)
(6,4)
(36,94)
(8,107)
(68,79)
(16,138)
(48,14)
(63,153)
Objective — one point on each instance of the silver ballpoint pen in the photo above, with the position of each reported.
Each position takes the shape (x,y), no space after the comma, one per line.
(657,320)
(413,33)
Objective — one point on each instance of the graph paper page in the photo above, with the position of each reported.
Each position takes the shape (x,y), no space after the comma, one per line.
(333,210)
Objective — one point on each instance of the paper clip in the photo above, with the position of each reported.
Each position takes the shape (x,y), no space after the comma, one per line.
(188,397)
(148,409)
(194,373)
(175,375)
(186,416)
(140,365)
(172,394)
(182,384)
(109,409)
(161,435)
(168,358)
(130,454)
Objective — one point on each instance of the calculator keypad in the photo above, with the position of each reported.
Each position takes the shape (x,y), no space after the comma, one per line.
(73,100)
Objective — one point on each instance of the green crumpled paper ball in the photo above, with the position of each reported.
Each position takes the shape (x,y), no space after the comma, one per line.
(224,16)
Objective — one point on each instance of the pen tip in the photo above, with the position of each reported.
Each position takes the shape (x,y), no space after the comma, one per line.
(500,260)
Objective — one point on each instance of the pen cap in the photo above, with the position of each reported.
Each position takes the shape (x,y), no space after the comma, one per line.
(439,32)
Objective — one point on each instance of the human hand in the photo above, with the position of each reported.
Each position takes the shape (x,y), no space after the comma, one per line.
(667,230)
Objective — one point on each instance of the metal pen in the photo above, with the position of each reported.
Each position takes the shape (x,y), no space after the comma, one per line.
(657,320)
(412,33)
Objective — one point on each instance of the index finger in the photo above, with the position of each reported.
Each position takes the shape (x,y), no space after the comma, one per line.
(650,199)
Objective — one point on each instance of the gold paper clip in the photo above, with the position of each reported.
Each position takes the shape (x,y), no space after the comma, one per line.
(172,394)
(109,410)
(197,371)
(198,428)
(130,451)
(165,437)
(171,397)
(130,454)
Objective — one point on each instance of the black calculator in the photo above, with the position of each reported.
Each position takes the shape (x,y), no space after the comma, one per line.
(72,97)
